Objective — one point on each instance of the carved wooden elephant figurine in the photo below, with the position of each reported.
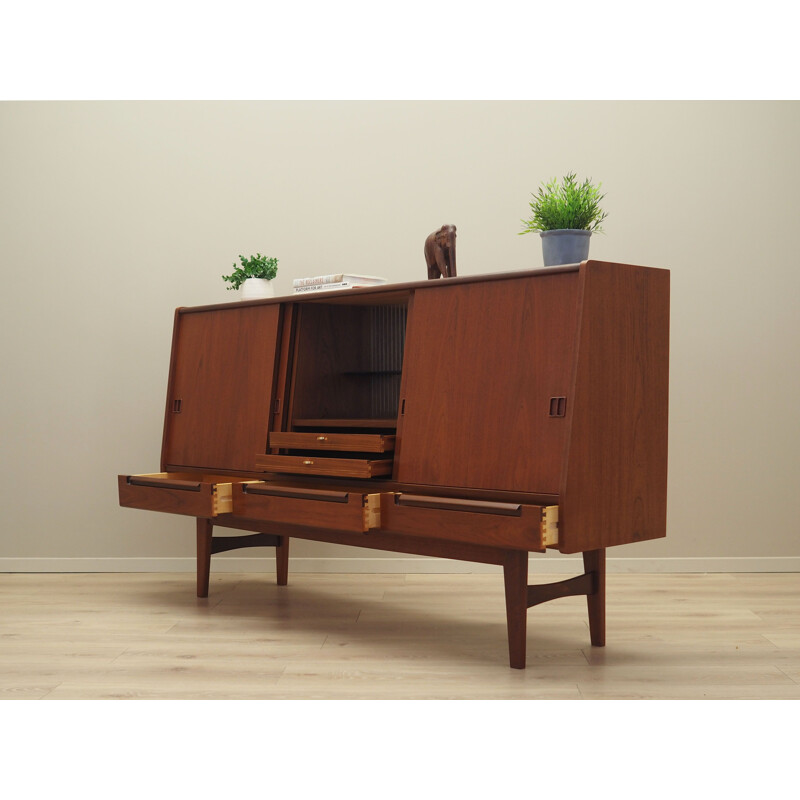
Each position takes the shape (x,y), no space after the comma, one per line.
(440,252)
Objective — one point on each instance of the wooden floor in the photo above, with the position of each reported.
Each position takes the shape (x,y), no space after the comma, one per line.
(688,636)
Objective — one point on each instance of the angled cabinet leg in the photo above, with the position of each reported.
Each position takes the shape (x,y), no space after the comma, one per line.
(520,597)
(204,536)
(282,561)
(515,574)
(594,561)
(207,545)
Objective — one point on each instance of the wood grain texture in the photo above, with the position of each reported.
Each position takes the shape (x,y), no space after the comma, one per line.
(195,494)
(347,362)
(222,376)
(205,535)
(364,442)
(323,510)
(482,362)
(376,539)
(456,504)
(222,544)
(319,387)
(325,465)
(614,487)
(594,562)
(551,383)
(387,294)
(328,423)
(165,433)
(285,358)
(282,561)
(515,578)
(544,593)
(167,498)
(523,532)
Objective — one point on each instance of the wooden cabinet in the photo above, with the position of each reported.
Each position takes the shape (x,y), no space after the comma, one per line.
(191,493)
(515,525)
(347,365)
(483,364)
(219,398)
(476,418)
(356,511)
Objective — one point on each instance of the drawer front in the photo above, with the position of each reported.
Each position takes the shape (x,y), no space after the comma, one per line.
(196,495)
(352,442)
(312,465)
(357,512)
(512,525)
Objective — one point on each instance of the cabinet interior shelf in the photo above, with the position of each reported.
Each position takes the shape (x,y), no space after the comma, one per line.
(372,372)
(344,423)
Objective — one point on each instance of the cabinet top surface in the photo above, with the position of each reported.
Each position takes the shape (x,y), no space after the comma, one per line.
(391,292)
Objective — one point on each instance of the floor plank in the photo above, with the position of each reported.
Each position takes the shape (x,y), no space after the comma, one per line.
(420,636)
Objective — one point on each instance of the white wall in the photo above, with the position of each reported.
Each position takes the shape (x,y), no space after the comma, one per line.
(114,213)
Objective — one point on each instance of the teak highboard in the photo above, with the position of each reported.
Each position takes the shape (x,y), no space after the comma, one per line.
(474,418)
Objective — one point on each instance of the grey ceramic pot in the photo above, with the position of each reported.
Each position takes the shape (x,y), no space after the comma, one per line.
(565,246)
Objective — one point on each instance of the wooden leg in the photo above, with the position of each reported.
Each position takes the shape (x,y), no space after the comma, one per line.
(282,561)
(595,561)
(515,573)
(204,535)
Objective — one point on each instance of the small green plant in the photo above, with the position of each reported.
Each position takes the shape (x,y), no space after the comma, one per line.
(256,266)
(566,206)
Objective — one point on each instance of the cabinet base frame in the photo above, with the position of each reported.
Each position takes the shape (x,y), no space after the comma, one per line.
(519,595)
(207,546)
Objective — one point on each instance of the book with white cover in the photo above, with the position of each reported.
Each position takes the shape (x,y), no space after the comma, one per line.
(340,277)
(328,287)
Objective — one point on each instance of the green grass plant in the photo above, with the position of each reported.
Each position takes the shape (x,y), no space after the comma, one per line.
(566,205)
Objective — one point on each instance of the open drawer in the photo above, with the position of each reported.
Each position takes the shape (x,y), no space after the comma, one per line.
(330,440)
(338,510)
(514,525)
(191,493)
(322,465)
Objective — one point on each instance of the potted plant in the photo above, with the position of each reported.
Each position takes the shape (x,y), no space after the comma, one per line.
(566,214)
(254,276)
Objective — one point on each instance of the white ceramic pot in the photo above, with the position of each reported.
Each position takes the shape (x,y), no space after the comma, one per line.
(257,289)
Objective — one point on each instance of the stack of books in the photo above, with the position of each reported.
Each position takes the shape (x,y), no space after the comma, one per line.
(341,280)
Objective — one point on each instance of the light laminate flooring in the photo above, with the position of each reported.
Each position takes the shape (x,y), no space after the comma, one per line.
(431,636)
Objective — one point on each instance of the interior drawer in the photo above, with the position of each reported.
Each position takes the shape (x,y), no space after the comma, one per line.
(347,511)
(190,493)
(323,440)
(514,525)
(313,465)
